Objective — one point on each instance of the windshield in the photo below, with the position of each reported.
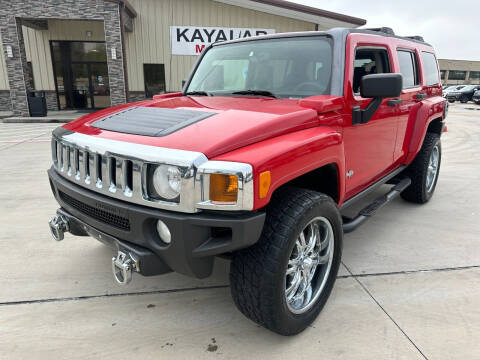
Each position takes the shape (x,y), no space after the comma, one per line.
(285,68)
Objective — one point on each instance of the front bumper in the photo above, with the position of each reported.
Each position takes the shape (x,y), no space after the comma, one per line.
(196,238)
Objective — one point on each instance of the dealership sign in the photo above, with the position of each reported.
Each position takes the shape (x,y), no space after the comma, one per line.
(191,40)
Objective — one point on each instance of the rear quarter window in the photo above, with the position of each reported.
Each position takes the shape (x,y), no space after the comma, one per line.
(430,68)
(408,68)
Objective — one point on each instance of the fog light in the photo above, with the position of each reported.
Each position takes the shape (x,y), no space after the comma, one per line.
(164,232)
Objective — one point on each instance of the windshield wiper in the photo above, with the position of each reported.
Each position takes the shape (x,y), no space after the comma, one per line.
(255,92)
(198,93)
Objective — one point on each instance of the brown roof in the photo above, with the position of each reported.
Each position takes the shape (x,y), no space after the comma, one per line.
(313,11)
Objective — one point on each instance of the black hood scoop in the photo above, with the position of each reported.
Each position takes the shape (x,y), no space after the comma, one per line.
(150,121)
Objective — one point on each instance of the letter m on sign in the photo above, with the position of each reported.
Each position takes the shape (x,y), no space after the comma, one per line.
(199,48)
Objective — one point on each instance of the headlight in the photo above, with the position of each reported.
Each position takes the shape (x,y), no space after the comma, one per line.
(167,181)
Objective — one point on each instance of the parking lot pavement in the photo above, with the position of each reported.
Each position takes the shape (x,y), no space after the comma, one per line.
(13,134)
(409,288)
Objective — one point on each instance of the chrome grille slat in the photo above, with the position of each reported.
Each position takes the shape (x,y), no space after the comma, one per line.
(54,152)
(66,163)
(92,169)
(76,171)
(81,165)
(109,181)
(137,192)
(118,174)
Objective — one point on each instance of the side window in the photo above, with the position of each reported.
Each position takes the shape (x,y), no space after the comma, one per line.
(369,61)
(430,68)
(408,68)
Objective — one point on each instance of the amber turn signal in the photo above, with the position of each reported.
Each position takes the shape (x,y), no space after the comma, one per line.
(223,188)
(264,184)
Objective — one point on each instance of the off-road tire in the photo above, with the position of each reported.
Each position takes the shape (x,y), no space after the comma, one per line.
(257,273)
(417,171)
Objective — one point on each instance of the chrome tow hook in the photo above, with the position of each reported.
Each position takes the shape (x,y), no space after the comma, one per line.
(122,266)
(58,227)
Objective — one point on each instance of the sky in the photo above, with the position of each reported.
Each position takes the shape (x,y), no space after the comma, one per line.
(452,27)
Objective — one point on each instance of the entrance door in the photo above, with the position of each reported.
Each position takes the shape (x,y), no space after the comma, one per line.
(81,74)
(79,88)
(100,85)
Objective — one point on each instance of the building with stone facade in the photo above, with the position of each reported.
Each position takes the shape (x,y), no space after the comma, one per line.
(459,72)
(91,54)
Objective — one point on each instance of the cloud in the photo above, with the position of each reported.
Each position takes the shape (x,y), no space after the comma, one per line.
(451,27)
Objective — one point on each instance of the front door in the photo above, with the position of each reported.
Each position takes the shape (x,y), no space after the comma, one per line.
(369,147)
(81,74)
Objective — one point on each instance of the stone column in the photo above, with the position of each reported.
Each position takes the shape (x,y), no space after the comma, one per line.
(12,35)
(113,40)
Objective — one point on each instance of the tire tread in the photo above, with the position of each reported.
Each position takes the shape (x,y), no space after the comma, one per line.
(416,192)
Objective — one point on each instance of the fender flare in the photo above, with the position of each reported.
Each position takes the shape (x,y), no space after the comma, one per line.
(430,110)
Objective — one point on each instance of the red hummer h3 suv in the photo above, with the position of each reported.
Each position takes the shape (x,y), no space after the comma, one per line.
(271,138)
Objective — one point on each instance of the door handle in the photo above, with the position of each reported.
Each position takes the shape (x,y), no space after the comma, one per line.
(420,96)
(394,102)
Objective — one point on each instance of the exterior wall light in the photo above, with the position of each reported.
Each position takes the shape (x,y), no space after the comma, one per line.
(9,51)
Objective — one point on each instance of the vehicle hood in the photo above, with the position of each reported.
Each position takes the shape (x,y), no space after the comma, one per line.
(223,123)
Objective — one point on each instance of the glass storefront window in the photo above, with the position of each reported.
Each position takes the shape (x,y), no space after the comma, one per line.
(457,75)
(88,51)
(474,75)
(154,77)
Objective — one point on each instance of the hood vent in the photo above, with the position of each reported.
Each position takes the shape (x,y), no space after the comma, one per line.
(150,121)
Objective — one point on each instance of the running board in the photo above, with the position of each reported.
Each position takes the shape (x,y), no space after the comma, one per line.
(351,224)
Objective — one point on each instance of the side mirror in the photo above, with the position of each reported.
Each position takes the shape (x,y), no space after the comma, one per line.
(378,87)
(381,85)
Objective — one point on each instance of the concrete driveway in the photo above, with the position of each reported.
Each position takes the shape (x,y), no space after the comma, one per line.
(409,287)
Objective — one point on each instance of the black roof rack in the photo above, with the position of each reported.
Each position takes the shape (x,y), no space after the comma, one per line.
(385,30)
(415,37)
(389,31)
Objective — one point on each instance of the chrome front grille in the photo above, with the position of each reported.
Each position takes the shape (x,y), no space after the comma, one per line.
(119,169)
(106,173)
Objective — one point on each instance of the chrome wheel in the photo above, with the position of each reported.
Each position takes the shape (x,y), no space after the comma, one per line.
(432,170)
(309,265)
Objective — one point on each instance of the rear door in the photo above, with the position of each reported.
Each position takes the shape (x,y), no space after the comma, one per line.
(408,65)
(369,147)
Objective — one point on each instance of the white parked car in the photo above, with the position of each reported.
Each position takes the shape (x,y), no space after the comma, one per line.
(450,89)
